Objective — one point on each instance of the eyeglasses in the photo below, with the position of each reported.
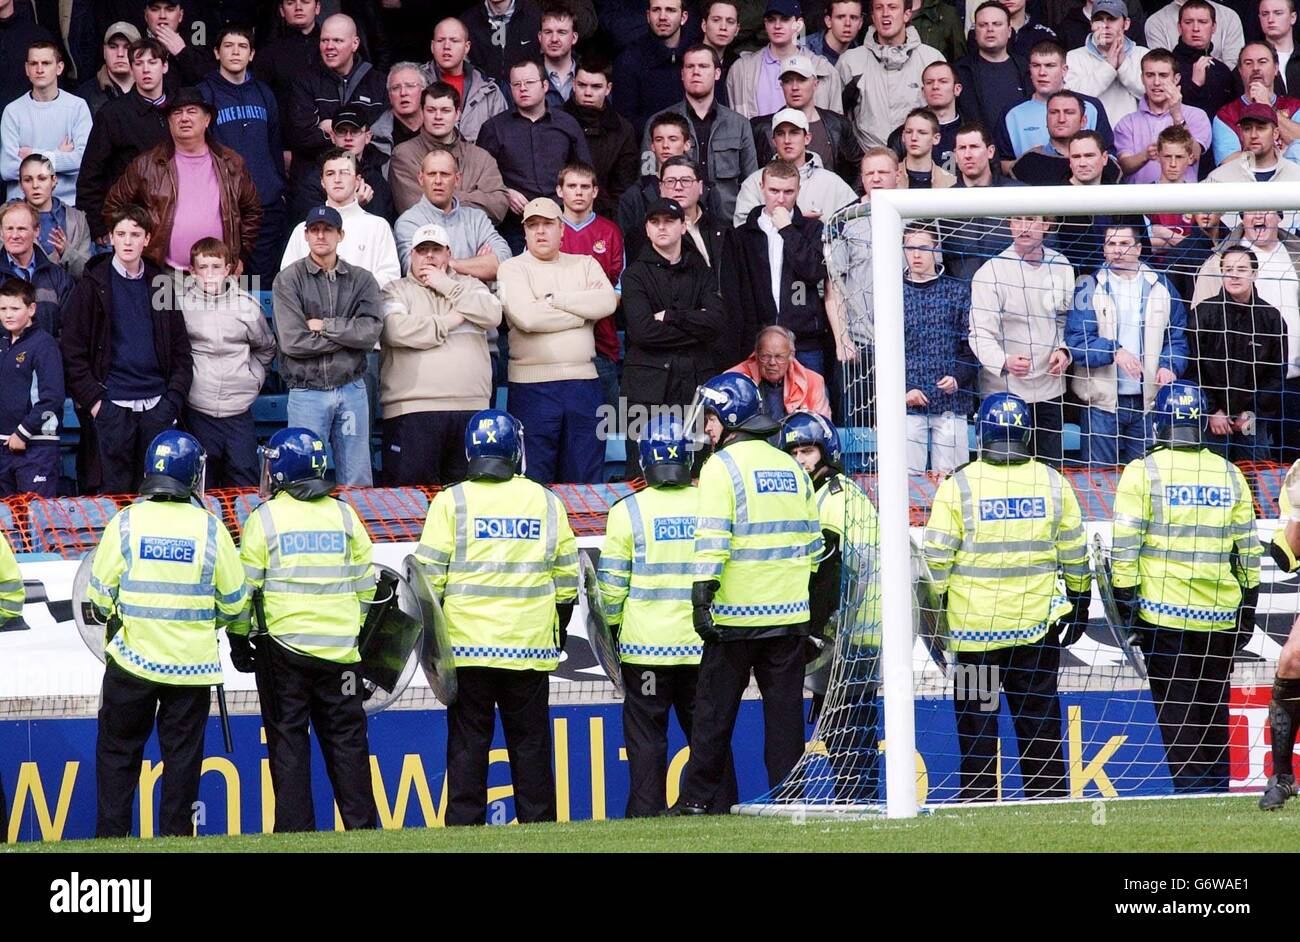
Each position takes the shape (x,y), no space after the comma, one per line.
(678,183)
(773,357)
(526,84)
(405,87)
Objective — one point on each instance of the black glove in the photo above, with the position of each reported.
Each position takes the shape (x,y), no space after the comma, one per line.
(242,653)
(564,611)
(1126,602)
(702,610)
(1246,618)
(1073,627)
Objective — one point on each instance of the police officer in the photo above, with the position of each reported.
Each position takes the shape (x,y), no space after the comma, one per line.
(12,596)
(999,530)
(1284,707)
(755,543)
(307,558)
(646,572)
(501,556)
(1186,557)
(165,575)
(850,535)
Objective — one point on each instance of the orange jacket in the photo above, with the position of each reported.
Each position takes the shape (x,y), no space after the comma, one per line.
(804,389)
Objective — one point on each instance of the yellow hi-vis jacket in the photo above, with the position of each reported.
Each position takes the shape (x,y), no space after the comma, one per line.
(12,594)
(170,572)
(312,561)
(1184,534)
(847,511)
(501,556)
(996,538)
(758,534)
(646,572)
(1282,553)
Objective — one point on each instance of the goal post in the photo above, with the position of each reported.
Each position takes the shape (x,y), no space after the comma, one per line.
(886,219)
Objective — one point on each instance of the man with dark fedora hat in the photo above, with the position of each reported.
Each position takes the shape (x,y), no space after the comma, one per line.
(193,187)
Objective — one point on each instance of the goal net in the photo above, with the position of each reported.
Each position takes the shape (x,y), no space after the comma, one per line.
(959,671)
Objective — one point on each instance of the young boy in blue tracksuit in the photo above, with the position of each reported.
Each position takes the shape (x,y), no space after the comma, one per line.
(31,396)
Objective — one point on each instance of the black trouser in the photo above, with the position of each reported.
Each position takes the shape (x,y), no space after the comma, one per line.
(1027,674)
(124,436)
(425,448)
(264,261)
(1189,673)
(327,696)
(851,721)
(1048,420)
(524,700)
(127,709)
(778,665)
(231,447)
(649,694)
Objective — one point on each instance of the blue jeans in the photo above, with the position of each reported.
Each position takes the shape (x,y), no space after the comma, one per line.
(340,416)
(814,360)
(1115,438)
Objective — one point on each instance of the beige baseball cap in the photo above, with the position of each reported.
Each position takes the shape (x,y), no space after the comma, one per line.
(800,65)
(543,206)
(122,28)
(431,233)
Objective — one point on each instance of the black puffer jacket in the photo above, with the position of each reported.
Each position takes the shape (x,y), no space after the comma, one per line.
(667,359)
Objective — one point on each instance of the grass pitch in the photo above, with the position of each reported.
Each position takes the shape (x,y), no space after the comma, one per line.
(1188,825)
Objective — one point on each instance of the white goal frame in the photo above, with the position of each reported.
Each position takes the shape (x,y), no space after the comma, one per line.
(890,211)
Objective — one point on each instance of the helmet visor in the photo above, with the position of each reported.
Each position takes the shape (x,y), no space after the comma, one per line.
(265,456)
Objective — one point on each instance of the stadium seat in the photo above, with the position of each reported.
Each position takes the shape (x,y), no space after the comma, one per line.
(213,506)
(615,457)
(1071,439)
(499,401)
(390,513)
(1095,488)
(243,506)
(69,526)
(270,413)
(1267,483)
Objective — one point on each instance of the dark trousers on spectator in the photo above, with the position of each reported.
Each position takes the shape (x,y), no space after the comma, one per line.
(1286,430)
(1026,673)
(269,249)
(124,435)
(777,664)
(1048,417)
(127,710)
(231,444)
(1238,447)
(1189,673)
(559,420)
(650,692)
(608,372)
(35,470)
(524,700)
(328,697)
(425,448)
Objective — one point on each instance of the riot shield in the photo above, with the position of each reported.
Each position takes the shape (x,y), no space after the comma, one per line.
(90,624)
(434,654)
(599,635)
(929,614)
(1121,632)
(389,639)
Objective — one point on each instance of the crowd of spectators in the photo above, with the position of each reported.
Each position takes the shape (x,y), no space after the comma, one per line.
(388,215)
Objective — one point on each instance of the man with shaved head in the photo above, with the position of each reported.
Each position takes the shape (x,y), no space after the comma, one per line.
(341,79)
(480,95)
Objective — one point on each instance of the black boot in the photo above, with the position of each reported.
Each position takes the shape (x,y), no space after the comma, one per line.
(1280,788)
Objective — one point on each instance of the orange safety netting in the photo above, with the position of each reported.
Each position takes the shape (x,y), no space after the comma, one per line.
(68,527)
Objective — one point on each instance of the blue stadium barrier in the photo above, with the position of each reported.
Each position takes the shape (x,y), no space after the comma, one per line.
(499,401)
(67,525)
